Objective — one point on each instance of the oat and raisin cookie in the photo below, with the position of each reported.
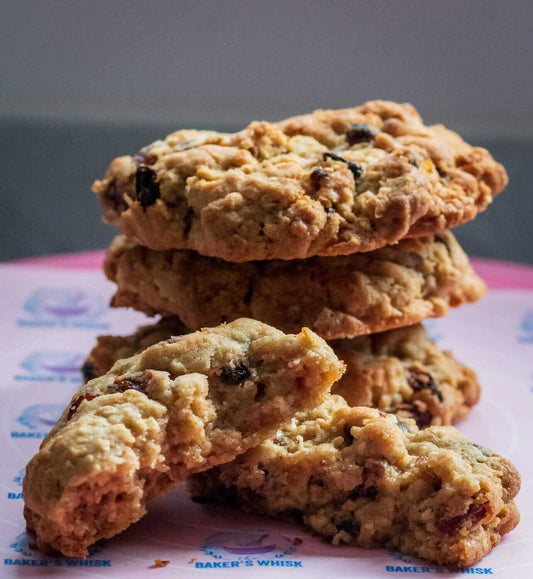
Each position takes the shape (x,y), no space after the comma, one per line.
(399,371)
(337,297)
(359,476)
(110,349)
(333,182)
(177,408)
(403,372)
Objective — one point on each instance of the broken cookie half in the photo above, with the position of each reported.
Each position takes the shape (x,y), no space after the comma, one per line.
(363,477)
(179,407)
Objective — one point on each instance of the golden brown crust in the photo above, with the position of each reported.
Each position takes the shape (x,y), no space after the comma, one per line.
(359,476)
(405,373)
(178,407)
(333,182)
(110,349)
(399,371)
(337,297)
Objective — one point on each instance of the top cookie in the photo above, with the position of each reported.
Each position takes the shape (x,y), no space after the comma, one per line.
(333,182)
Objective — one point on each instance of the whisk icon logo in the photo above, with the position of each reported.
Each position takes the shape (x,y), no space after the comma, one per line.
(64,304)
(247,544)
(64,308)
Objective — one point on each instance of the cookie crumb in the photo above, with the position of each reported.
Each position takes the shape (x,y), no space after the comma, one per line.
(158,563)
(193,560)
(296,542)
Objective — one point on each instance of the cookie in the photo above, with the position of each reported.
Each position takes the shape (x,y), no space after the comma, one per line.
(400,371)
(110,349)
(403,372)
(337,297)
(334,182)
(362,477)
(179,407)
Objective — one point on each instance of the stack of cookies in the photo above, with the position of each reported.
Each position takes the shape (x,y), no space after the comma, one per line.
(335,221)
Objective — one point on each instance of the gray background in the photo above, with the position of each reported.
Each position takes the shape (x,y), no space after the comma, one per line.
(83,82)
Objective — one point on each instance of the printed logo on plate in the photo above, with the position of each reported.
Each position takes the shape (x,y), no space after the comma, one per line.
(525,334)
(24,545)
(48,366)
(64,307)
(39,416)
(37,419)
(16,494)
(248,548)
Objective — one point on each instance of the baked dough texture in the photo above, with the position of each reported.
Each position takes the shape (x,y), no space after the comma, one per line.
(177,408)
(336,297)
(399,371)
(362,477)
(333,182)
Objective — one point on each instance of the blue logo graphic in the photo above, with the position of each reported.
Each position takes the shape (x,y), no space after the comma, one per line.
(526,329)
(53,363)
(40,416)
(64,305)
(19,476)
(247,544)
(21,544)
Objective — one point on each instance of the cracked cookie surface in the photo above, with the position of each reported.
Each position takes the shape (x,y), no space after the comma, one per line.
(362,477)
(178,407)
(399,371)
(336,297)
(333,182)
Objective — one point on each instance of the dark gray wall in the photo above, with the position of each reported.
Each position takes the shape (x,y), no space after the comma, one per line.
(83,82)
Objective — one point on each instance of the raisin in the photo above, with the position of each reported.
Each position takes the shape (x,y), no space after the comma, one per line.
(316,177)
(360,133)
(235,376)
(355,168)
(75,405)
(422,419)
(88,371)
(474,514)
(260,392)
(420,380)
(144,157)
(138,383)
(146,186)
(442,173)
